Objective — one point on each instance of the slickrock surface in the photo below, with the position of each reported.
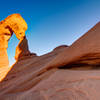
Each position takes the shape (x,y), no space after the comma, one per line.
(87,47)
(60,48)
(30,80)
(70,85)
(26,74)
(48,77)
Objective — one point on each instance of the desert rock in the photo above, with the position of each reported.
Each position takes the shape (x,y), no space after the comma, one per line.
(22,50)
(48,77)
(17,24)
(13,23)
(53,84)
(86,47)
(60,48)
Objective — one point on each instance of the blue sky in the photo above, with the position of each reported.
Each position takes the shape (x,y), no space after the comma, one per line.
(51,22)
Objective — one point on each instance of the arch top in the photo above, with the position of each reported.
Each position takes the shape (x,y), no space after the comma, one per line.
(15,23)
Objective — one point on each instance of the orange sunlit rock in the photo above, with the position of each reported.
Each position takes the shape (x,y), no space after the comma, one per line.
(17,24)
(13,23)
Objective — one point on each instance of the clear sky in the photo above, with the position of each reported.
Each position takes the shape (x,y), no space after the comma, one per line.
(51,22)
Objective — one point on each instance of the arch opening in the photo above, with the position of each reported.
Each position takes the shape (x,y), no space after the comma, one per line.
(13,42)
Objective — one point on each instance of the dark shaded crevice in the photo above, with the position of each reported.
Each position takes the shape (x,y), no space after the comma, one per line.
(88,61)
(81,66)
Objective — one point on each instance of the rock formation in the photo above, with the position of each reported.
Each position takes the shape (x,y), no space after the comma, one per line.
(13,23)
(22,50)
(48,77)
(17,24)
(27,70)
(85,50)
(5,35)
(60,48)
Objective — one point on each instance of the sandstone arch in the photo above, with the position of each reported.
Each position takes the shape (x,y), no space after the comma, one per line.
(12,24)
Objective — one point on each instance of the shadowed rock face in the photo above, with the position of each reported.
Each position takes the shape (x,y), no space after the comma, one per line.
(22,50)
(86,62)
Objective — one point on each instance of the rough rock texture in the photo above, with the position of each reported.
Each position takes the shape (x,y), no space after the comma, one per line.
(5,35)
(17,24)
(13,23)
(46,77)
(22,50)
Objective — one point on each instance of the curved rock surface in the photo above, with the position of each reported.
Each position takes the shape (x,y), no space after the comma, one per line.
(29,71)
(17,24)
(60,48)
(46,77)
(5,35)
(28,79)
(13,23)
(86,46)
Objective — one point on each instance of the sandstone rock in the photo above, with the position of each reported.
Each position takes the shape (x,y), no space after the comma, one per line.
(4,63)
(60,48)
(70,85)
(85,47)
(13,23)
(39,77)
(17,24)
(5,35)
(22,50)
(33,69)
(26,81)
